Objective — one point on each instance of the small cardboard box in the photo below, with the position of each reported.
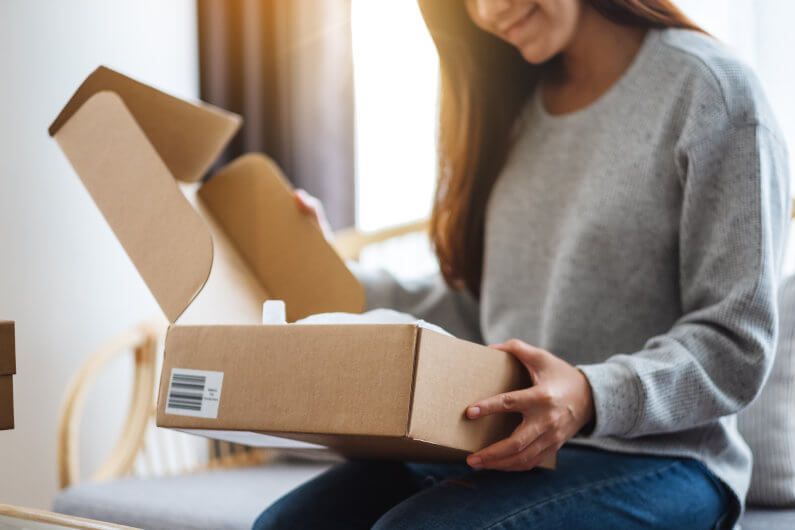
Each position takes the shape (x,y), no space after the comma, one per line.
(212,253)
(8,368)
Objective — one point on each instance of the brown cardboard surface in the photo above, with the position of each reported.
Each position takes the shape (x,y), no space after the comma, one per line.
(252,201)
(232,293)
(451,375)
(332,379)
(8,367)
(164,237)
(187,136)
(394,448)
(355,446)
(6,402)
(8,363)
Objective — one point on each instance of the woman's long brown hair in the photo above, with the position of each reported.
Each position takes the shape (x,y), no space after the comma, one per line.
(484,84)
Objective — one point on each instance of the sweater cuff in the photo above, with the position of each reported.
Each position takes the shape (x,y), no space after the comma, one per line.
(616,397)
(377,287)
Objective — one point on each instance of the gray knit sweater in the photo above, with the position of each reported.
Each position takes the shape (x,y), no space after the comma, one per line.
(640,239)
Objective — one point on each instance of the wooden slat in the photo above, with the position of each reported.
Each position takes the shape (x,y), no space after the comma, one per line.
(64,521)
(350,242)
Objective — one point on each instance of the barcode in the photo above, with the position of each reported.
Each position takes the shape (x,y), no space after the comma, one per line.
(187,391)
(194,393)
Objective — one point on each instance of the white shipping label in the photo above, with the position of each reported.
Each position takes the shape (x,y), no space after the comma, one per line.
(194,393)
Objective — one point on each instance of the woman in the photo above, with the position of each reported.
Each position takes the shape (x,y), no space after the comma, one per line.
(612,202)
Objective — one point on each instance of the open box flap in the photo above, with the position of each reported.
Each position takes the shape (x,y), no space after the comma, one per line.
(252,201)
(135,191)
(187,136)
(243,241)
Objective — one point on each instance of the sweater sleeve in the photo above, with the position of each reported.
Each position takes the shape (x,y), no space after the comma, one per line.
(428,298)
(716,357)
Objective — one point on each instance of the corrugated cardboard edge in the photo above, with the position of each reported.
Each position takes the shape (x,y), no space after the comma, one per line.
(415,357)
(188,136)
(380,447)
(353,446)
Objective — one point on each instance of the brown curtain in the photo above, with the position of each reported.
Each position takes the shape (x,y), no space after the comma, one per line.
(286,67)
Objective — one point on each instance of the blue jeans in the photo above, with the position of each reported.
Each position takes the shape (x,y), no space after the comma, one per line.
(589,489)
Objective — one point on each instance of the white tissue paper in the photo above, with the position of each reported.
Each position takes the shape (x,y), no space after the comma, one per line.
(273,312)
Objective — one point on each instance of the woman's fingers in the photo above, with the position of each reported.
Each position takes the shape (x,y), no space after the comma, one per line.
(312,206)
(305,202)
(516,401)
(521,439)
(528,355)
(529,457)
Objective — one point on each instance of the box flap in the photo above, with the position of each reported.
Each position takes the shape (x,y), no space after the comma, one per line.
(232,293)
(8,364)
(286,250)
(187,136)
(135,191)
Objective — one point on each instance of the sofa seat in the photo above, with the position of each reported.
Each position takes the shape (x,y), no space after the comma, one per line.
(228,499)
(232,499)
(768,519)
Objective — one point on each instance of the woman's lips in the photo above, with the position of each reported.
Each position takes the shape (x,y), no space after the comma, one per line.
(512,31)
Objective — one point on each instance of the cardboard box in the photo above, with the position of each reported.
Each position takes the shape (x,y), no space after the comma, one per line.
(212,254)
(8,368)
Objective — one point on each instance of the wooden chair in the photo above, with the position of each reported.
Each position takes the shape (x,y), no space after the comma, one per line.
(141,449)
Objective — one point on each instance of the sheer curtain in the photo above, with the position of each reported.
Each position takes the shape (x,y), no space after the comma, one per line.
(286,67)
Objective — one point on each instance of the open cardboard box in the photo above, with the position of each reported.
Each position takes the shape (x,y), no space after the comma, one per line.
(8,368)
(212,253)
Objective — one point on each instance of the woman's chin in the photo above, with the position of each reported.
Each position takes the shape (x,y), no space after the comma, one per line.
(535,54)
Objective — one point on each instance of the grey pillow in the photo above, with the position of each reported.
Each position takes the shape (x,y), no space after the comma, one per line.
(768,424)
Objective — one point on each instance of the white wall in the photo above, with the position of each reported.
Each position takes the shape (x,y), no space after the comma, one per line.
(63,276)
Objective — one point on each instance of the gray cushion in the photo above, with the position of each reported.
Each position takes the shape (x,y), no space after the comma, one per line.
(768,424)
(233,499)
(229,499)
(768,519)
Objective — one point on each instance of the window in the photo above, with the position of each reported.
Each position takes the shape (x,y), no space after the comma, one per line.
(396,85)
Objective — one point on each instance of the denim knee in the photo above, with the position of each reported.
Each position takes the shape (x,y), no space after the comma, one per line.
(265,521)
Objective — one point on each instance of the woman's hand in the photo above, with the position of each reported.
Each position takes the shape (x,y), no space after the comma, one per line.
(312,206)
(554,409)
